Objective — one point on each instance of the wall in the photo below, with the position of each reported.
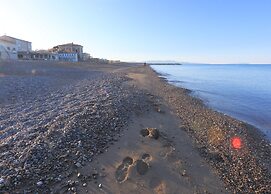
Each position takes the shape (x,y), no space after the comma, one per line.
(73,49)
(71,57)
(8,50)
(23,45)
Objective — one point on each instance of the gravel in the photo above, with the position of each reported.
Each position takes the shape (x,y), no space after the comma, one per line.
(54,120)
(45,137)
(244,170)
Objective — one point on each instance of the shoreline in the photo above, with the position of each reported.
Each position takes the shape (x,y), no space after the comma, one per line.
(189,92)
(212,132)
(255,145)
(194,147)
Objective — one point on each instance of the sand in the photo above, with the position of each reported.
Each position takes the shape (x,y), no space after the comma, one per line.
(170,143)
(172,163)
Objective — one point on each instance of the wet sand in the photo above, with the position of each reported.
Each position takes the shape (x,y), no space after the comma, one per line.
(122,129)
(244,170)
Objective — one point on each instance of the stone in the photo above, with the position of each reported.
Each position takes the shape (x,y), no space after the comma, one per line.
(71,183)
(95,175)
(39,184)
(78,165)
(79,144)
(69,134)
(58,179)
(216,157)
(2,181)
(73,189)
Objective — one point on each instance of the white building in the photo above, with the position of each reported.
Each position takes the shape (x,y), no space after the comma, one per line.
(38,55)
(5,53)
(70,57)
(10,46)
(69,48)
(86,57)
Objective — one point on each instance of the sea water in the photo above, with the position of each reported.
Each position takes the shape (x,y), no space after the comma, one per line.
(242,91)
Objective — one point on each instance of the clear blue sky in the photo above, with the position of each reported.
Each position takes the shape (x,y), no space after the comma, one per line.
(210,31)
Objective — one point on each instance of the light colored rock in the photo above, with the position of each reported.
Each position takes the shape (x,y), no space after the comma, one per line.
(39,184)
(78,165)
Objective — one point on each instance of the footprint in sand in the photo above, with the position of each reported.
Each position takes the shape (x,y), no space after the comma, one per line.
(122,170)
(151,132)
(144,132)
(154,133)
(146,157)
(141,167)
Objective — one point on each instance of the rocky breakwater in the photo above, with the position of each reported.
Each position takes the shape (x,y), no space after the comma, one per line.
(45,140)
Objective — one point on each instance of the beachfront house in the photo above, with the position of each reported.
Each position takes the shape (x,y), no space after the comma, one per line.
(69,52)
(86,57)
(38,55)
(69,57)
(14,48)
(10,46)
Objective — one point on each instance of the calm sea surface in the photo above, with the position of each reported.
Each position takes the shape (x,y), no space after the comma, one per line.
(241,91)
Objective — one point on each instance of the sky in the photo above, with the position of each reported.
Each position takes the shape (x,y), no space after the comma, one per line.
(202,31)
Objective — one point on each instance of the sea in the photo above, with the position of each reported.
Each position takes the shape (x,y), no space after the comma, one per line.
(242,91)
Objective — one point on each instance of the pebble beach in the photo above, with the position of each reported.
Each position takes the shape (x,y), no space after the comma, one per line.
(77,128)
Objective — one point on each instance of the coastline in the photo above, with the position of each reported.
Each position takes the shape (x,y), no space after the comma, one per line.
(221,94)
(193,152)
(213,130)
(199,98)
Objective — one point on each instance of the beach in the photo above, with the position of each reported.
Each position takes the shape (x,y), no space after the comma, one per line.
(119,128)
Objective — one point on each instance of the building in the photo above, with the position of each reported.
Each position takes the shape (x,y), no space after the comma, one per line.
(65,49)
(98,60)
(14,48)
(10,46)
(86,57)
(38,55)
(49,55)
(69,57)
(21,45)
(5,54)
